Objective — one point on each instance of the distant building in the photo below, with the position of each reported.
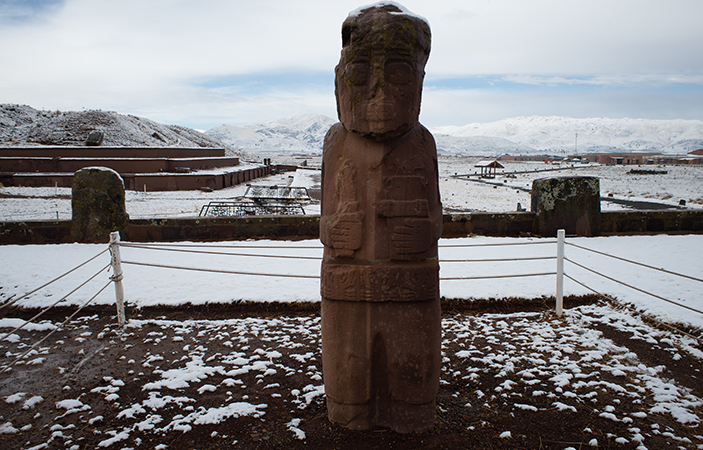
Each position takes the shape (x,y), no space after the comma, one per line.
(622,158)
(694,157)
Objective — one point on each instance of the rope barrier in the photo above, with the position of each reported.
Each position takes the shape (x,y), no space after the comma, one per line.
(319,247)
(486,277)
(637,263)
(621,306)
(633,287)
(501,244)
(578,282)
(60,326)
(318,258)
(231,272)
(534,258)
(56,302)
(293,247)
(204,252)
(8,303)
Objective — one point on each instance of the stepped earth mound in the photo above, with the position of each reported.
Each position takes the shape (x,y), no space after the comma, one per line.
(22,126)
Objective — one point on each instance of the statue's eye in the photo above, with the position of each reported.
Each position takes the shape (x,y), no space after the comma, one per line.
(399,72)
(357,73)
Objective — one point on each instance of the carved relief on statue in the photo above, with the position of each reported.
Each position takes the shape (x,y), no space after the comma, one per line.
(342,231)
(380,283)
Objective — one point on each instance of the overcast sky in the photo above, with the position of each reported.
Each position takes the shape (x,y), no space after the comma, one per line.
(208,62)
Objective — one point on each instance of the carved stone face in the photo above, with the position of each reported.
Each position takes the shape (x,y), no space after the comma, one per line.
(378,82)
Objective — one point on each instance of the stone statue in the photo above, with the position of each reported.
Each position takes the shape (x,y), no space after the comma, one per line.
(98,204)
(381,219)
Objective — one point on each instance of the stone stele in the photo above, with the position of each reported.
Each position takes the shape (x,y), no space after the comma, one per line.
(571,203)
(98,203)
(381,219)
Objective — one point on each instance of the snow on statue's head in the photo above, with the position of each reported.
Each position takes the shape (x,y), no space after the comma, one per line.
(378,81)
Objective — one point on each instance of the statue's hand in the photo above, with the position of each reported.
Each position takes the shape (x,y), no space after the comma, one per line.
(345,233)
(413,237)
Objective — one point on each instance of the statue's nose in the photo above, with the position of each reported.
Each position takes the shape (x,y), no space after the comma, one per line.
(377,87)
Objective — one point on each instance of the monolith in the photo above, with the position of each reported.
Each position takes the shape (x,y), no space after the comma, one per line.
(571,203)
(98,204)
(381,219)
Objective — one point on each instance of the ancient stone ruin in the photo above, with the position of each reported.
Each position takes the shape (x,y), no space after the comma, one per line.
(98,203)
(571,203)
(381,219)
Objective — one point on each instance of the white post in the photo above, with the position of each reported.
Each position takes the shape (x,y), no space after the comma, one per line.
(560,271)
(117,276)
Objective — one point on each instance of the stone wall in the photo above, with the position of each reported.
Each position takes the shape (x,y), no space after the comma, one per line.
(152,181)
(515,224)
(121,165)
(110,152)
(651,222)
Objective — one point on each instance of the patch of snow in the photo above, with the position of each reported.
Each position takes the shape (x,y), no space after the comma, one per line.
(7,428)
(293,426)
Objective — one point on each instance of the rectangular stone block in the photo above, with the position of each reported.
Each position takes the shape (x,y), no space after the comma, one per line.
(569,203)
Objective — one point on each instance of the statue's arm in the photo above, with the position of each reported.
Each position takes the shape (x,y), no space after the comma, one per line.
(341,218)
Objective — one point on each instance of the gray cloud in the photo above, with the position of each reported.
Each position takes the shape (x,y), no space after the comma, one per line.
(151,58)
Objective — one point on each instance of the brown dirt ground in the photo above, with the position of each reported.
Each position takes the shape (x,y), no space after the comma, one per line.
(457,426)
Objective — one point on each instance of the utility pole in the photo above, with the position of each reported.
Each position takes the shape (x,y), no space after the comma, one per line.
(576,142)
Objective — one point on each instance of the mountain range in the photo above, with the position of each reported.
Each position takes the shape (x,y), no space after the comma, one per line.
(22,125)
(304,133)
(301,133)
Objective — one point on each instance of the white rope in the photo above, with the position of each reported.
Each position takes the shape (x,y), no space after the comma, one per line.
(289,247)
(231,272)
(587,287)
(150,247)
(614,300)
(633,287)
(637,263)
(56,302)
(533,258)
(8,303)
(501,244)
(204,252)
(486,277)
(292,247)
(60,326)
(318,247)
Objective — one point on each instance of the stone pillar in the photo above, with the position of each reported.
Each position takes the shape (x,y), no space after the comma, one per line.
(98,203)
(381,219)
(571,203)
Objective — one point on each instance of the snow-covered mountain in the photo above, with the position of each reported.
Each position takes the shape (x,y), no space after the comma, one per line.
(22,125)
(304,133)
(301,133)
(553,134)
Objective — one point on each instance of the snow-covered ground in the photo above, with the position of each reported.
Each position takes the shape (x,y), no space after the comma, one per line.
(162,380)
(458,194)
(679,183)
(534,362)
(32,265)
(299,263)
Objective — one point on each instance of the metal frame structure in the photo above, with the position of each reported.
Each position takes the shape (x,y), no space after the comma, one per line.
(261,200)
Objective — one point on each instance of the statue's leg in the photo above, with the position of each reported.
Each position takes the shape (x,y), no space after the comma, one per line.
(413,341)
(346,364)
